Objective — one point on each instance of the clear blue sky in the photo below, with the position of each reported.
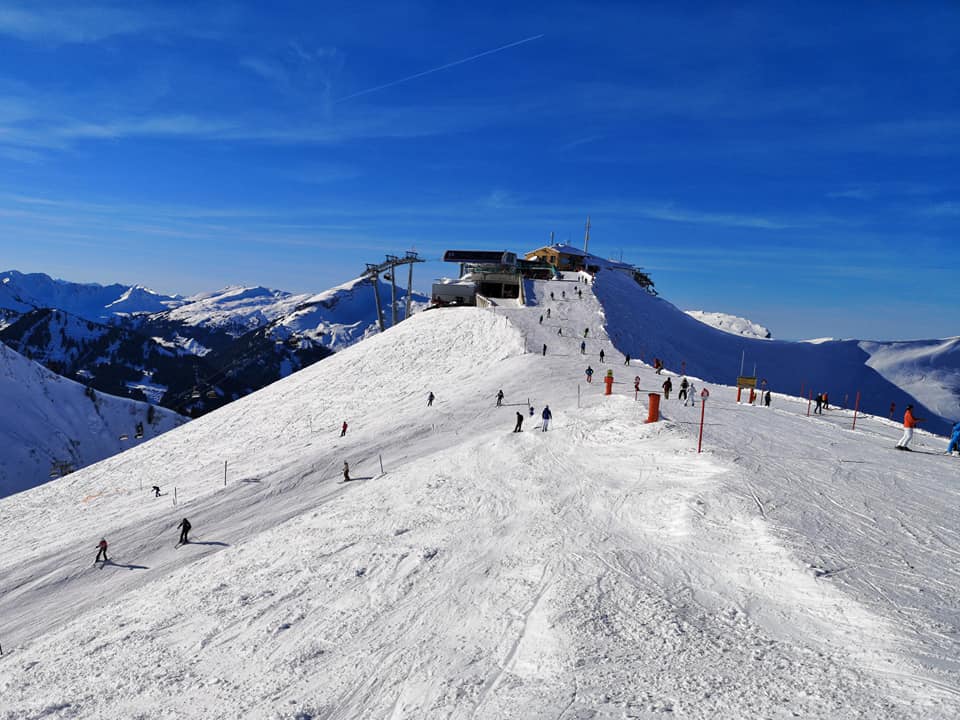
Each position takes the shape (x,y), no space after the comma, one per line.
(795,163)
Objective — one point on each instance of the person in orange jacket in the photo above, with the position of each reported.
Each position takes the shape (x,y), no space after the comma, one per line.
(909,423)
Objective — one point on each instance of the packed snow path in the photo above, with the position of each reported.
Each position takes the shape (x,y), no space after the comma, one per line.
(601,569)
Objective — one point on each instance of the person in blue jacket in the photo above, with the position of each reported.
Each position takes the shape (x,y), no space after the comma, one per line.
(546,415)
(954,439)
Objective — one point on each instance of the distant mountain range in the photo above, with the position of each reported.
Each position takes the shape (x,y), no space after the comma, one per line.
(189,354)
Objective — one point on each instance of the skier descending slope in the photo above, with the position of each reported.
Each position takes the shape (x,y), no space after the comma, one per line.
(546,415)
(954,444)
(184,532)
(518,427)
(101,550)
(909,423)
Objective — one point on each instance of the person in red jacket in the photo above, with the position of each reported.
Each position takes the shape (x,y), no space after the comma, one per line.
(101,550)
(343,429)
(909,423)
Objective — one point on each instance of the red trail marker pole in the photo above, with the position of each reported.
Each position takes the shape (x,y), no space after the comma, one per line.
(703,410)
(856,408)
(809,401)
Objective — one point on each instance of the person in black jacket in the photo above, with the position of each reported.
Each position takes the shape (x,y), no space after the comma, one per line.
(519,424)
(184,531)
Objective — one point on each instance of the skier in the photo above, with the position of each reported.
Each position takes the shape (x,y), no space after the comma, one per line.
(101,550)
(548,313)
(658,365)
(541,319)
(560,331)
(826,402)
(667,387)
(589,372)
(818,399)
(583,347)
(909,423)
(519,424)
(682,395)
(499,397)
(586,332)
(544,349)
(691,396)
(546,415)
(766,399)
(563,294)
(579,293)
(601,354)
(430,399)
(156,491)
(184,531)
(636,383)
(954,440)
(346,471)
(343,429)
(626,360)
(551,295)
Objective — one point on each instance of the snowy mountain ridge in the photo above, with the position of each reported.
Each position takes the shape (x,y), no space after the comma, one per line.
(787,571)
(731,323)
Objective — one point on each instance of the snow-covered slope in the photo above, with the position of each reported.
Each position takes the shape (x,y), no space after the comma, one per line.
(602,569)
(23,292)
(731,323)
(649,327)
(47,418)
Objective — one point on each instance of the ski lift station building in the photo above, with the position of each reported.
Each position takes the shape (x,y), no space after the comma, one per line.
(486,274)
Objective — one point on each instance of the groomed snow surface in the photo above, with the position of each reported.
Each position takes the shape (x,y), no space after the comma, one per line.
(603,569)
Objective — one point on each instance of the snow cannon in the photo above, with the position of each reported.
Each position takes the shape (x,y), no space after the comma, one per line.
(608,380)
(654,403)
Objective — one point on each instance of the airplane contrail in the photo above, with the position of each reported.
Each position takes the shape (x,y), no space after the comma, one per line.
(438,69)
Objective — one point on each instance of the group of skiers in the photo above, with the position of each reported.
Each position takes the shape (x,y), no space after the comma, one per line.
(545,415)
(183,527)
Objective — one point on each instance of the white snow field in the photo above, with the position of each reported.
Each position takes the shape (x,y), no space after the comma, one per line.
(602,569)
(732,324)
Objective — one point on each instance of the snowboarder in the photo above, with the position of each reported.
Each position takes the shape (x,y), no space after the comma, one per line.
(601,354)
(519,424)
(546,415)
(499,397)
(909,423)
(184,532)
(682,395)
(818,399)
(766,399)
(101,550)
(589,373)
(583,347)
(430,398)
(954,444)
(346,471)
(343,429)
(626,360)
(156,491)
(544,349)
(667,387)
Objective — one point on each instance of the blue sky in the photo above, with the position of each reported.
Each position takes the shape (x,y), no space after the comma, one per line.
(795,163)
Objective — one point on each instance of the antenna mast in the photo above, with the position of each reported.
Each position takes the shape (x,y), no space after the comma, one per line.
(586,236)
